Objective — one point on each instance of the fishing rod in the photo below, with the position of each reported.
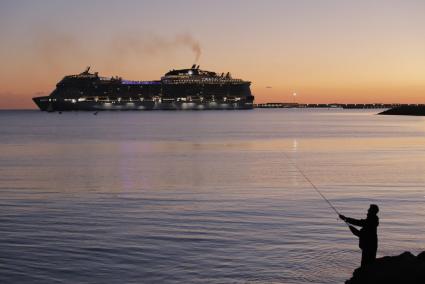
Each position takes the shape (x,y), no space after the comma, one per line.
(312,184)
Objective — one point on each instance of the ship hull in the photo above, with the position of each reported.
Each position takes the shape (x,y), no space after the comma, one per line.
(47,104)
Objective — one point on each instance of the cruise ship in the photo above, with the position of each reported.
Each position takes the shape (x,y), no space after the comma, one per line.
(183,89)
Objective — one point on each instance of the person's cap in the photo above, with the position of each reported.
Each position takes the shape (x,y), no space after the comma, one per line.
(374,208)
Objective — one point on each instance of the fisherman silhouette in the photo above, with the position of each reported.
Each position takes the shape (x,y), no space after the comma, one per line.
(368,238)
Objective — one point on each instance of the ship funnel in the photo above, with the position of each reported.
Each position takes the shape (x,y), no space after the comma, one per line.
(193,66)
(197,67)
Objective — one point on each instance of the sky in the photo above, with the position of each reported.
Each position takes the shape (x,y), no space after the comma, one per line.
(327,51)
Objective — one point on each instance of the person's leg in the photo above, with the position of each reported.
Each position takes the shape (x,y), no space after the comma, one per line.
(364,258)
(368,256)
(373,254)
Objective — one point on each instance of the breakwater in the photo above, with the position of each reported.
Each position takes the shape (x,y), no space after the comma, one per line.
(333,105)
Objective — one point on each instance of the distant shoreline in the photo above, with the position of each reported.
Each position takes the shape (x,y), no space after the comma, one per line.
(297,105)
(334,105)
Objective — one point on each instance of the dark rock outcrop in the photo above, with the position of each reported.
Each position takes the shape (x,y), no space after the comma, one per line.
(404,269)
(406,110)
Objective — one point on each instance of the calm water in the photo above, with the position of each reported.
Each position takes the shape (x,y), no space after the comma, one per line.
(203,197)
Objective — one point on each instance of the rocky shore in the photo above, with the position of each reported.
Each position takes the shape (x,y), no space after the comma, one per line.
(404,269)
(406,110)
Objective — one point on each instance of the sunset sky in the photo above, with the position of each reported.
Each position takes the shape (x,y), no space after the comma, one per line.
(324,50)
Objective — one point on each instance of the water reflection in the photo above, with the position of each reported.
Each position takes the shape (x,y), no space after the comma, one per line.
(294,145)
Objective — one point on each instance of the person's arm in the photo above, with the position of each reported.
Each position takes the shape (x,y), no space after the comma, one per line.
(353,221)
(355,231)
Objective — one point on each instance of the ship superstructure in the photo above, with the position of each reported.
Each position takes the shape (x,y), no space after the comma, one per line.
(181,89)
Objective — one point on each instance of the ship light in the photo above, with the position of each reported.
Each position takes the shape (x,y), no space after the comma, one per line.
(81,99)
(73,101)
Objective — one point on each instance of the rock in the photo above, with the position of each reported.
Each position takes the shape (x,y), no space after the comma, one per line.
(406,110)
(404,269)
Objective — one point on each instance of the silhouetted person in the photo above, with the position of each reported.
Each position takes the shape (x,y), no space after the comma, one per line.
(368,238)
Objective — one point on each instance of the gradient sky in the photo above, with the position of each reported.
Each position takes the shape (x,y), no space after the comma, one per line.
(325,50)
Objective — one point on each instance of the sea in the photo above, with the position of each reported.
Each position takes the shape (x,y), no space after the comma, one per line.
(204,196)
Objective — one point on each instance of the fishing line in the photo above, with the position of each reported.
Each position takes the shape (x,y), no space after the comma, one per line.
(312,184)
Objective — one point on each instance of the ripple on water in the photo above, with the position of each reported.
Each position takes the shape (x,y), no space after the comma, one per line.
(202,198)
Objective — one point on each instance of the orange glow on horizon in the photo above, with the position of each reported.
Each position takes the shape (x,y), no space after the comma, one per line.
(327,51)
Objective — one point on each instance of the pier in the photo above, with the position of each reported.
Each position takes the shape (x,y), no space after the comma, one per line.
(333,105)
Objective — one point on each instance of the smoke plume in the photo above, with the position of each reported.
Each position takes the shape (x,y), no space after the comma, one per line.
(188,40)
(154,44)
(53,49)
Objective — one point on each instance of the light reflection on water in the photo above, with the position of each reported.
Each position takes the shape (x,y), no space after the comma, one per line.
(172,197)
